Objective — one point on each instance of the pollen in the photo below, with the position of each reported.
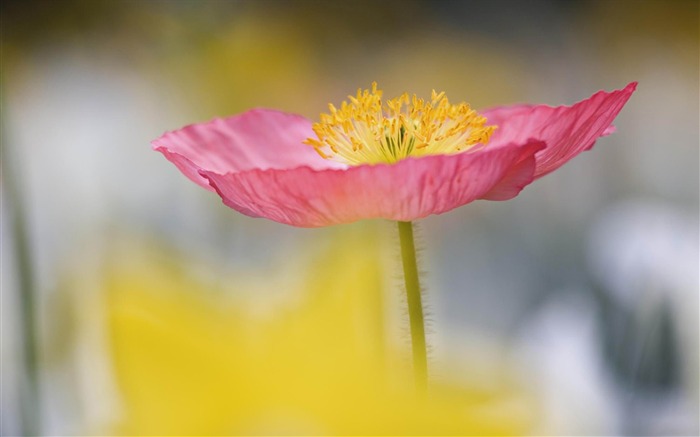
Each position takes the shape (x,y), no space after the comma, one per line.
(367,130)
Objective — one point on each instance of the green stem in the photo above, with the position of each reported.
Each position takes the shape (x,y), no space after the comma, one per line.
(30,405)
(415,306)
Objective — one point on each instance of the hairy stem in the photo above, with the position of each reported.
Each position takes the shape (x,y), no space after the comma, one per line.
(415,306)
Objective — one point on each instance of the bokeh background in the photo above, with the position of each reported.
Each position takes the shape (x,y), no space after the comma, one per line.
(134,302)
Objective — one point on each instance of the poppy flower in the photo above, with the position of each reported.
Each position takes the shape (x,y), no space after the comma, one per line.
(401,159)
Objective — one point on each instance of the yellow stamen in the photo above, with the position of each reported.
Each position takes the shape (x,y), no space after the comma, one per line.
(369,131)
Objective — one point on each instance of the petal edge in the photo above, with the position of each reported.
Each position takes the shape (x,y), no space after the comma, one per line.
(567,130)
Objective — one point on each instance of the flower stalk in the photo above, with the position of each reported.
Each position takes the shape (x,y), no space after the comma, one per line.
(27,299)
(415,306)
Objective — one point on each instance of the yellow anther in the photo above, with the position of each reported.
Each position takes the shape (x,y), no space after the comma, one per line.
(367,131)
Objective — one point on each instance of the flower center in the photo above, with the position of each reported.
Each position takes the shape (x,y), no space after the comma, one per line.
(367,131)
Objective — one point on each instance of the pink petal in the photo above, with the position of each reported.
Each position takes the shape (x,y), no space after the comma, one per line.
(410,189)
(567,130)
(257,139)
(516,178)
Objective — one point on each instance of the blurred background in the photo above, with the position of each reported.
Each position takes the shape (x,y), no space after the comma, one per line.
(134,302)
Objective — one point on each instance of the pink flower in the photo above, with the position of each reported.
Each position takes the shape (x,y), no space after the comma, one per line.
(403,159)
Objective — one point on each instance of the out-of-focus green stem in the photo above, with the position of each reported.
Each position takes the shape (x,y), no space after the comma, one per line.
(415,306)
(30,405)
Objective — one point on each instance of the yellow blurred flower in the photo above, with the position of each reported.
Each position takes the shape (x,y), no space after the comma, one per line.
(193,359)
